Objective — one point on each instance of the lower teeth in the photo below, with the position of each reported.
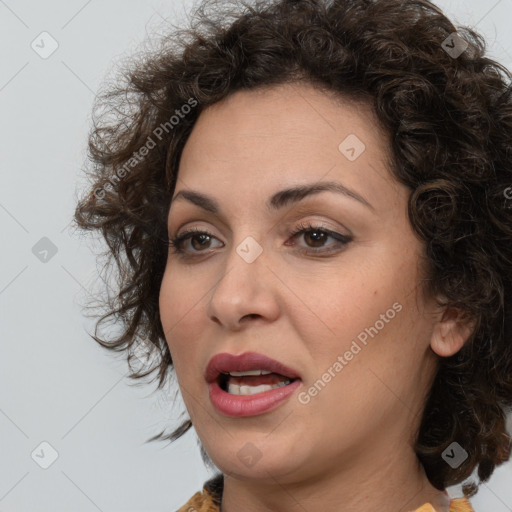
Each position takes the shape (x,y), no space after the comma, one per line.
(234,389)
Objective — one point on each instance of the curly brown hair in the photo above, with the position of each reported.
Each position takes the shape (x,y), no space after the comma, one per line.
(448,109)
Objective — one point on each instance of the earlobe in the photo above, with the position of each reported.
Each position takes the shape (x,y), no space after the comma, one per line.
(451,332)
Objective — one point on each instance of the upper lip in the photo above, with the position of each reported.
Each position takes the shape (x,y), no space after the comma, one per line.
(225,363)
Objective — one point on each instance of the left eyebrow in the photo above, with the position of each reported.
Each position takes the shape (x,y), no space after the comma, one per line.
(278,200)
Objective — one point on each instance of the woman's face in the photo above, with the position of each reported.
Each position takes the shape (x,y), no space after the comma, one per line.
(344,310)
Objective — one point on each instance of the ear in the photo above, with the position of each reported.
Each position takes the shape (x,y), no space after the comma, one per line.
(450,332)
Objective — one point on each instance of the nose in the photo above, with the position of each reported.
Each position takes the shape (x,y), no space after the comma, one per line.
(246,290)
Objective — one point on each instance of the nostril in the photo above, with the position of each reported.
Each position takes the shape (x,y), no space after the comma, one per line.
(250,315)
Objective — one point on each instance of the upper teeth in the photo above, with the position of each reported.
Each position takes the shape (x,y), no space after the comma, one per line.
(249,373)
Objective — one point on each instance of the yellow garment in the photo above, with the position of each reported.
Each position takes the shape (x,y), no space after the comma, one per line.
(456,505)
(209,499)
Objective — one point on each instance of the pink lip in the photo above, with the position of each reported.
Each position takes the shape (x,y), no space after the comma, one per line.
(238,406)
(225,363)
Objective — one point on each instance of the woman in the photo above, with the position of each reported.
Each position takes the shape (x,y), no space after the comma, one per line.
(307,205)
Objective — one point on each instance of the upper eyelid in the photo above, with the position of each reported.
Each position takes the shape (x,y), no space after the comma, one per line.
(299,207)
(303,214)
(298,230)
(315,224)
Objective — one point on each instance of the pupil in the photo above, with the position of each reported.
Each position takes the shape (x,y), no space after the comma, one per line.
(203,237)
(317,236)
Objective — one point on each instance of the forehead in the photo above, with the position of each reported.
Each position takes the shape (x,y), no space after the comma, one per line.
(257,141)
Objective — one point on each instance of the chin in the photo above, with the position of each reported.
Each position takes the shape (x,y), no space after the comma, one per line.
(252,461)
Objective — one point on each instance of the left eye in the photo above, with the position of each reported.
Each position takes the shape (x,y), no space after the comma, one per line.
(318,235)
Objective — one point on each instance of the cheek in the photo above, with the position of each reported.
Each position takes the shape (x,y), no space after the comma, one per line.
(363,364)
(382,338)
(337,308)
(372,302)
(180,306)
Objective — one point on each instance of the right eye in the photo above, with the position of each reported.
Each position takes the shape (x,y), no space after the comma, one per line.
(194,234)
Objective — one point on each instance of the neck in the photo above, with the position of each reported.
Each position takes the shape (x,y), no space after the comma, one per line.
(386,487)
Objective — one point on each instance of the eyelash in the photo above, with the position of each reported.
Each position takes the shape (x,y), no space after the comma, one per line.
(176,243)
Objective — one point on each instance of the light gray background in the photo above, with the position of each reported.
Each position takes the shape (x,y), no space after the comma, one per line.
(57,385)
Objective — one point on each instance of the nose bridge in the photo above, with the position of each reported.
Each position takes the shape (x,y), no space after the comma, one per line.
(240,291)
(243,266)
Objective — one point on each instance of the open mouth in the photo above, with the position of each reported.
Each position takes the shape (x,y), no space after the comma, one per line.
(251,382)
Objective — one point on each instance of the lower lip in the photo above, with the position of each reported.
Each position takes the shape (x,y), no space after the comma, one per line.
(241,406)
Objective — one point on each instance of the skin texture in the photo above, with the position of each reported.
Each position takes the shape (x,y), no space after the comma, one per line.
(351,444)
